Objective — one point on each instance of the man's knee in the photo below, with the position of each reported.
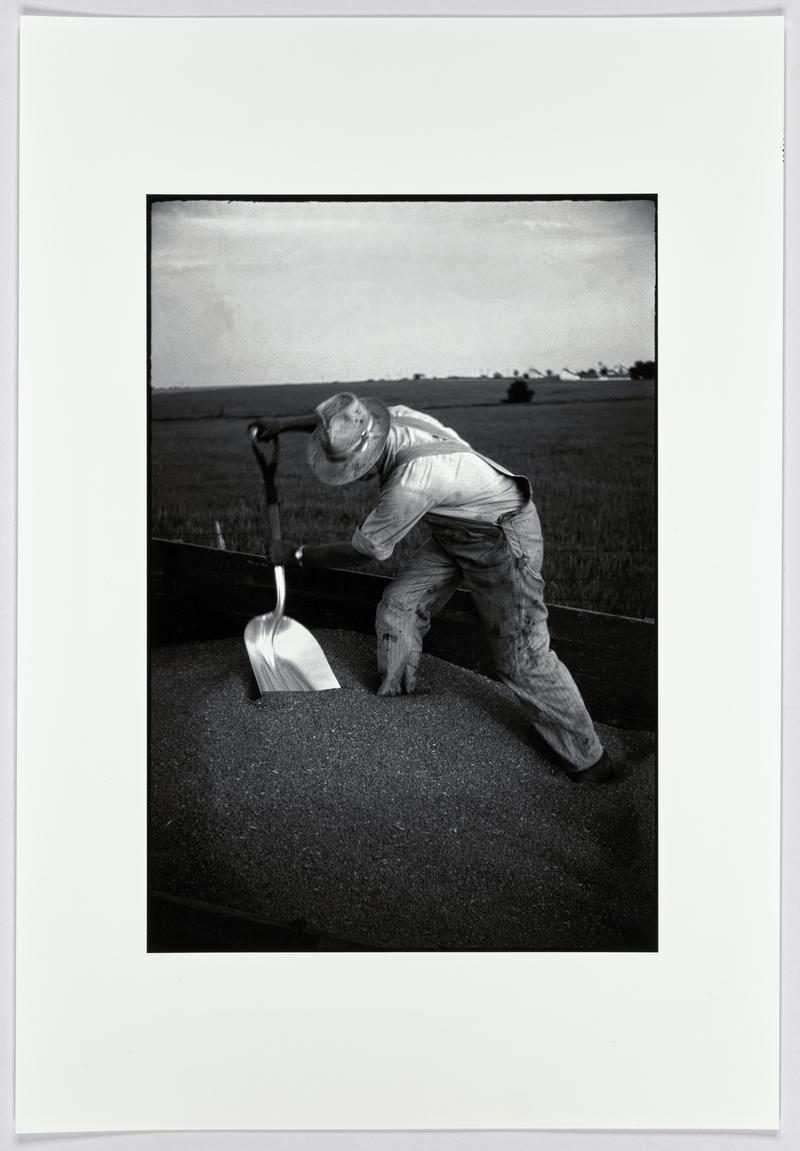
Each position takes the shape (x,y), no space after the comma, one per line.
(519,661)
(399,645)
(395,613)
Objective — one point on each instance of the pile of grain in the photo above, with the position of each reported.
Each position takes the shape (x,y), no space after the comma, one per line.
(434,821)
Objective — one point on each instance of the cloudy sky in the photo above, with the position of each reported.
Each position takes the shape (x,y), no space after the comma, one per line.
(262,293)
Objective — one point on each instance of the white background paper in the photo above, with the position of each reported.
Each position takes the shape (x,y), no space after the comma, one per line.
(695,989)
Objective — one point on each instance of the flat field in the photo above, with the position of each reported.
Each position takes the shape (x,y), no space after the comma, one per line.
(588,448)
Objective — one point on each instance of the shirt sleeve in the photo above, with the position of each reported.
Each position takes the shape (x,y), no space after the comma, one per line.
(401,506)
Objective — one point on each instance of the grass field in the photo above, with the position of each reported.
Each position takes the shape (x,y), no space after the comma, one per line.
(588,448)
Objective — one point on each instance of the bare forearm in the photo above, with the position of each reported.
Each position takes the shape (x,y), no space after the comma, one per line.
(333,555)
(297,423)
(271,427)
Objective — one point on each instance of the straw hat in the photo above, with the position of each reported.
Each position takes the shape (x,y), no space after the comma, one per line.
(349,438)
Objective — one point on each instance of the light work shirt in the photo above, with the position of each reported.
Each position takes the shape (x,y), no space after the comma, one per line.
(460,485)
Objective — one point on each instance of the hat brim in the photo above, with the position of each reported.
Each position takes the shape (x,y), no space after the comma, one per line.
(357,464)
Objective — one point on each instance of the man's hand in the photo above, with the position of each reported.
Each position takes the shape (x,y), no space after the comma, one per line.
(271,426)
(266,429)
(281,553)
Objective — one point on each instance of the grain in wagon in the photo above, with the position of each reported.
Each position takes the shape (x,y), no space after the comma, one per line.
(432,821)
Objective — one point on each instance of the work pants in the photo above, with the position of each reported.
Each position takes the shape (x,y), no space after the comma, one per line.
(500,565)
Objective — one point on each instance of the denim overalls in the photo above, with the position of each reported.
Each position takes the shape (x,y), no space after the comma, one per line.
(499,564)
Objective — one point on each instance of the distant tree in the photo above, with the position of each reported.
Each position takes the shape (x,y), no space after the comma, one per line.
(419,375)
(516,373)
(643,370)
(497,375)
(519,392)
(603,370)
(549,372)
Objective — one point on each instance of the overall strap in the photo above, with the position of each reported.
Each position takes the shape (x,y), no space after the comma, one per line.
(446,445)
(443,448)
(424,426)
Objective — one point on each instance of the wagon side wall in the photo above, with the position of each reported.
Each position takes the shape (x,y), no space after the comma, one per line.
(199,593)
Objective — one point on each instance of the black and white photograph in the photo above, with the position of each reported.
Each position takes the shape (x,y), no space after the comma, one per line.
(402,557)
(398,677)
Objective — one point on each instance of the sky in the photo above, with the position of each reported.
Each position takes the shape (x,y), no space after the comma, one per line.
(249,292)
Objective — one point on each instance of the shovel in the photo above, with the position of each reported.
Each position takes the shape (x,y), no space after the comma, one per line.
(283,654)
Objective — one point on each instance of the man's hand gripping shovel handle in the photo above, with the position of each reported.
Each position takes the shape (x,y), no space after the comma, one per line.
(268,431)
(271,428)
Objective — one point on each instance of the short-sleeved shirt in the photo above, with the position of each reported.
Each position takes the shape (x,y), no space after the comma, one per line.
(460,485)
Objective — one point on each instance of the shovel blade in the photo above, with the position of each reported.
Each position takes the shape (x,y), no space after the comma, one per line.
(286,657)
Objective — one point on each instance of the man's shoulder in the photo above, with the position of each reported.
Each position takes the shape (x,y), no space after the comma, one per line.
(405,410)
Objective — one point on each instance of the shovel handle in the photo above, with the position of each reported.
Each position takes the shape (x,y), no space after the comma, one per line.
(268,468)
